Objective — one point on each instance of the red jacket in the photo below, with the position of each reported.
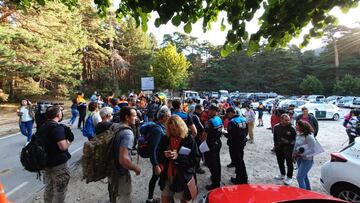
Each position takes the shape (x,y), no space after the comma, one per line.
(274,120)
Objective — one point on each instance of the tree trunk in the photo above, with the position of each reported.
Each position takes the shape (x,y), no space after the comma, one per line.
(336,54)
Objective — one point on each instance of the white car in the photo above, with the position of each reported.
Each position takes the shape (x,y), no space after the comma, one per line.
(321,111)
(355,103)
(346,102)
(340,176)
(316,98)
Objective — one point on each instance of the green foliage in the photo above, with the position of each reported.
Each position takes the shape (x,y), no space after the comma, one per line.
(280,22)
(311,85)
(349,85)
(43,44)
(169,68)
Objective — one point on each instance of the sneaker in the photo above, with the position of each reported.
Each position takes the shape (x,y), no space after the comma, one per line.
(231,165)
(279,177)
(287,181)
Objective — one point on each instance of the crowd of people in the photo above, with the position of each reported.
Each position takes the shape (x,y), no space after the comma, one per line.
(186,133)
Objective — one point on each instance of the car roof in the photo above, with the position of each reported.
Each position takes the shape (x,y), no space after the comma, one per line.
(264,193)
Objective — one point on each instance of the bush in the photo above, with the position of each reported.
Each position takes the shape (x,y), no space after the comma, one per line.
(349,85)
(311,85)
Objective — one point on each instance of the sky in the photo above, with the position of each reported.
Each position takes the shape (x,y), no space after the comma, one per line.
(217,37)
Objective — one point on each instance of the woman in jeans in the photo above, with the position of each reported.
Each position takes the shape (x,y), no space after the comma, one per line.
(305,143)
(177,166)
(81,107)
(26,119)
(74,112)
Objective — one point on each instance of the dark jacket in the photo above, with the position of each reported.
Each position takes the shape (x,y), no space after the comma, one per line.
(198,124)
(157,132)
(284,138)
(185,164)
(313,122)
(102,127)
(236,131)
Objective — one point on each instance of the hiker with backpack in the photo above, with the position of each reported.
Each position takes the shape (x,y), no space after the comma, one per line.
(120,186)
(352,125)
(155,134)
(200,129)
(91,121)
(106,114)
(57,141)
(177,155)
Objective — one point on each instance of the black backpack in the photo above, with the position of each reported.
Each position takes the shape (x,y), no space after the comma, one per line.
(33,156)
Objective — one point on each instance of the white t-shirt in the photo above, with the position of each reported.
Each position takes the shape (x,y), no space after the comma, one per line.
(96,118)
(25,114)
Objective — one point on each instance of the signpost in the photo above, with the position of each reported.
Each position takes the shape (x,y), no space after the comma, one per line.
(147,85)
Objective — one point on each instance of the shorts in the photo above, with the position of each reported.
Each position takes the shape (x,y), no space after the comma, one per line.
(167,192)
(260,115)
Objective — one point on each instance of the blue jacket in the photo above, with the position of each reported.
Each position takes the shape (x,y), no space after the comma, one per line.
(237,131)
(157,133)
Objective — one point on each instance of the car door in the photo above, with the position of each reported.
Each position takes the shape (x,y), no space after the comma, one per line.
(320,111)
(329,111)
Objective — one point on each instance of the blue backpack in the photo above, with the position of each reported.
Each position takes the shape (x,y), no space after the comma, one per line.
(89,128)
(144,139)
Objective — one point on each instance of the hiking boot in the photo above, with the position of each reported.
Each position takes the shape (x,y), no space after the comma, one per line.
(211,187)
(279,177)
(231,165)
(199,171)
(287,181)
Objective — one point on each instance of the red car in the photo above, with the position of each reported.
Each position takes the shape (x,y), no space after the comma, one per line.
(253,193)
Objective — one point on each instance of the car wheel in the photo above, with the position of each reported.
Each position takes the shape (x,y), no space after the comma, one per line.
(336,117)
(348,192)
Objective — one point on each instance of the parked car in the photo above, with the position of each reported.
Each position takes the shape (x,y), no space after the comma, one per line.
(346,102)
(340,176)
(261,193)
(268,103)
(316,98)
(214,95)
(223,94)
(293,97)
(321,111)
(355,103)
(284,104)
(333,99)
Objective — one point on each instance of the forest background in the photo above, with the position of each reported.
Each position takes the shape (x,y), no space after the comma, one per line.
(56,51)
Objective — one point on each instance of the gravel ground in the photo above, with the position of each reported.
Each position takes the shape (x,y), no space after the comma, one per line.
(261,167)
